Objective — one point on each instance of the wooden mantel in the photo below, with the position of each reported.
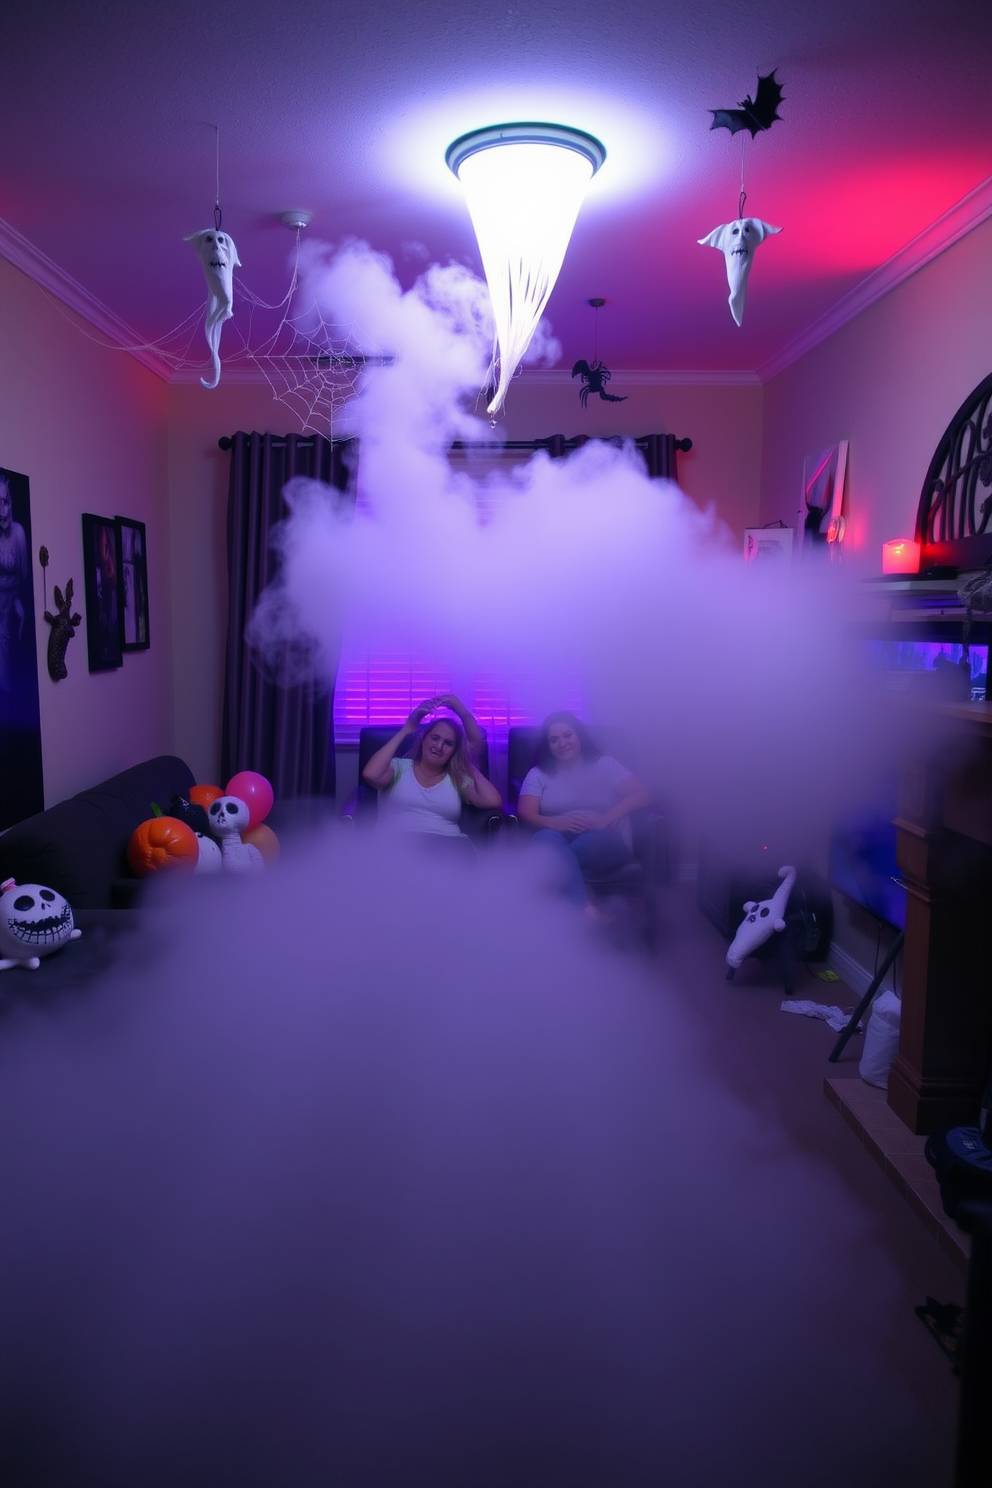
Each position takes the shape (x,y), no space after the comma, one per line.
(944,852)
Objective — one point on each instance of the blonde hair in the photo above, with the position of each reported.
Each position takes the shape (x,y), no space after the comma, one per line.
(459,765)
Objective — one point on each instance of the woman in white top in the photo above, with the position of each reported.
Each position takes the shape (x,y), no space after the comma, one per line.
(423,793)
(576,800)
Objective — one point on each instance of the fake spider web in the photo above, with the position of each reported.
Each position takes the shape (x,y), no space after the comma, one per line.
(310,364)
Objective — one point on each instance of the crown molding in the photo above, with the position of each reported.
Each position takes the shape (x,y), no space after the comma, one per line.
(641,377)
(956,223)
(245,370)
(23,254)
(242,371)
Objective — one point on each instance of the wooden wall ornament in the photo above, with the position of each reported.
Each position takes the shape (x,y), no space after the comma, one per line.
(63,624)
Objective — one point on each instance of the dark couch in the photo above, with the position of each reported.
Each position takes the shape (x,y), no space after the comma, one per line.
(79,847)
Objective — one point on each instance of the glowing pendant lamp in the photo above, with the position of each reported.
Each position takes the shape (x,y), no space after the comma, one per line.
(524,184)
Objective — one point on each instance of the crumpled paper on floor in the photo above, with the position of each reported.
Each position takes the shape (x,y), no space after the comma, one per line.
(835,1017)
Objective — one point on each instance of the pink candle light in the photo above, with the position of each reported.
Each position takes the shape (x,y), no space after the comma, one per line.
(901,555)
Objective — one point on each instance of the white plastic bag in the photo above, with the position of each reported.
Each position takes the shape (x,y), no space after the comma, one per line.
(881,1040)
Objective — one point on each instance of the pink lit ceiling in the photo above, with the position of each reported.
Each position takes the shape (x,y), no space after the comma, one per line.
(345,109)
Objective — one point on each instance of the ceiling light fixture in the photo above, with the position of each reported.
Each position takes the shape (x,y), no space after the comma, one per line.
(524,184)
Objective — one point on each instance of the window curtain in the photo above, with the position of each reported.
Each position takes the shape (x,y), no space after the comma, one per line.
(282,732)
(659,450)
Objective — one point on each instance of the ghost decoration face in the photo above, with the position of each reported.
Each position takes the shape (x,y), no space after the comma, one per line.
(737,242)
(34,922)
(218,255)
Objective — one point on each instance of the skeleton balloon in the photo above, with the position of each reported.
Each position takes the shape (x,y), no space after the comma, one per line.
(737,242)
(218,255)
(229,816)
(34,922)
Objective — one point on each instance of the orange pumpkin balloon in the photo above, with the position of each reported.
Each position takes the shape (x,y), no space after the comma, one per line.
(265,840)
(203,795)
(164,844)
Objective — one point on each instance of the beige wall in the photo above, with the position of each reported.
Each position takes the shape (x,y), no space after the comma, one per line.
(723,469)
(889,382)
(87,426)
(723,420)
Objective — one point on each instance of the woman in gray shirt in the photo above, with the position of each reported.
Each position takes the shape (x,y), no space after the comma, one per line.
(576,800)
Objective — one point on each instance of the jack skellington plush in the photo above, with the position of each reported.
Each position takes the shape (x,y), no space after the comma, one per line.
(34,922)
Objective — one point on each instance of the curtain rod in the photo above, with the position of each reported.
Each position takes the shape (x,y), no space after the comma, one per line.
(227,440)
(536,444)
(303,441)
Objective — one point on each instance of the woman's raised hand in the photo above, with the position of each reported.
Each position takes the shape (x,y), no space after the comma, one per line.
(419,713)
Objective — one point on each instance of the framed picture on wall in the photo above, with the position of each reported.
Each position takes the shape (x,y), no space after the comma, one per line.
(133,585)
(21,784)
(767,544)
(101,569)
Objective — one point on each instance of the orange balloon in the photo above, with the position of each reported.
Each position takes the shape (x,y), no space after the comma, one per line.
(163,844)
(204,795)
(265,840)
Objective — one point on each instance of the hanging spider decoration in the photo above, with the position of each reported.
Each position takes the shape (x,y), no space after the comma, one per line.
(595,376)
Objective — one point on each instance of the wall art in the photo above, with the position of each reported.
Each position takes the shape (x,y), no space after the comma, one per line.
(101,567)
(22,791)
(134,585)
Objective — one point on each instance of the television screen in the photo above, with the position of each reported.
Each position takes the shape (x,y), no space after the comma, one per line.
(930,655)
(863,864)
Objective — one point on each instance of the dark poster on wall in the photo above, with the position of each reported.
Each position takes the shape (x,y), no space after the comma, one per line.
(21,784)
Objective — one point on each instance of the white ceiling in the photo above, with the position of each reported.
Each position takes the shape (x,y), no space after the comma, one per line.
(107,155)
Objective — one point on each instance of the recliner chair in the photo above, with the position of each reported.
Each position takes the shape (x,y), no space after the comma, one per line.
(638,879)
(475,820)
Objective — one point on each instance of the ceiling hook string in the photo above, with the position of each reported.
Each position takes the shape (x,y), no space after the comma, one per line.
(743,196)
(596,303)
(218,214)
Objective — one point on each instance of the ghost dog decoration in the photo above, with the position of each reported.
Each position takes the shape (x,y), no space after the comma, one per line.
(34,922)
(218,255)
(761,919)
(737,242)
(229,816)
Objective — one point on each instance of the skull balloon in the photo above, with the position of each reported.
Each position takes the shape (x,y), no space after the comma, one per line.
(34,922)
(218,255)
(737,242)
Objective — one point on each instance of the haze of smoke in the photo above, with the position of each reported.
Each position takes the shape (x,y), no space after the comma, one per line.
(364,1174)
(739,688)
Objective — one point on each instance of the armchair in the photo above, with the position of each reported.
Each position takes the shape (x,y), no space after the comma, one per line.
(637,880)
(475,822)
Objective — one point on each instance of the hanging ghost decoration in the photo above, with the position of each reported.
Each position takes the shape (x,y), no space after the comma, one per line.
(218,255)
(737,242)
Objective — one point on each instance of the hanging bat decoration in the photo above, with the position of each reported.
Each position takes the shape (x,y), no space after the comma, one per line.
(595,376)
(737,242)
(754,114)
(218,255)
